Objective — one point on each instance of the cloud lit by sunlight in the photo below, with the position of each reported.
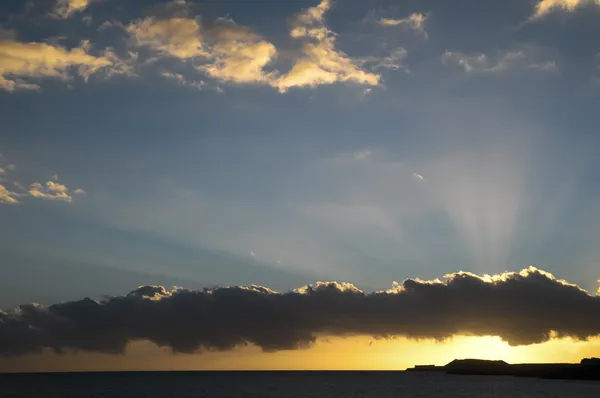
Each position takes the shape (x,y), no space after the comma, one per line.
(544,7)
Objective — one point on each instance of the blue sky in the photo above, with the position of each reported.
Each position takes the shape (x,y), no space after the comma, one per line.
(280,143)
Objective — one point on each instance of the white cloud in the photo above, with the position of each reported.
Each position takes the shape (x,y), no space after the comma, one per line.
(415,21)
(549,66)
(79,191)
(418,176)
(253,254)
(320,62)
(544,7)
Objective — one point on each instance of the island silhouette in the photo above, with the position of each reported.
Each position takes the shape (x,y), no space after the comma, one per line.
(587,369)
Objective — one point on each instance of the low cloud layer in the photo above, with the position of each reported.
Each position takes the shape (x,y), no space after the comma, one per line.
(522,308)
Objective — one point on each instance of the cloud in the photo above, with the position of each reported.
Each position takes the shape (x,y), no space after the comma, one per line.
(52,191)
(394,61)
(418,176)
(182,81)
(363,154)
(415,21)
(549,66)
(228,52)
(238,55)
(179,37)
(56,187)
(320,62)
(22,64)
(7,197)
(66,8)
(7,168)
(544,7)
(522,308)
(503,61)
(79,191)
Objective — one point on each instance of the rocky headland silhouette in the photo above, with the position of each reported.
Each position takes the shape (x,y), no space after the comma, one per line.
(587,369)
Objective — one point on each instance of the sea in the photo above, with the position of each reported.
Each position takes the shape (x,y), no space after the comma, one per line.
(287,384)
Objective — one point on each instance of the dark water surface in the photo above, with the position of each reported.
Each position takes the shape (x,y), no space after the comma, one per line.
(287,384)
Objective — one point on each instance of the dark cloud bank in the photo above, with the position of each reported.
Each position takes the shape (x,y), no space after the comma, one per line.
(522,308)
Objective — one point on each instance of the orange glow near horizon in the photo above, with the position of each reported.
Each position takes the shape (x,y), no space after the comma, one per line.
(351,353)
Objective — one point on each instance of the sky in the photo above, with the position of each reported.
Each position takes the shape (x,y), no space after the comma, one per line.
(419,153)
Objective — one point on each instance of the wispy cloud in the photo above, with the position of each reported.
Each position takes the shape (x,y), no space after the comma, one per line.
(363,154)
(182,81)
(394,61)
(500,62)
(415,21)
(418,177)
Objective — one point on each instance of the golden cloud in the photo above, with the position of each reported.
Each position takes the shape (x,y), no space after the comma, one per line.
(546,6)
(6,196)
(320,62)
(240,55)
(52,191)
(21,62)
(176,37)
(236,54)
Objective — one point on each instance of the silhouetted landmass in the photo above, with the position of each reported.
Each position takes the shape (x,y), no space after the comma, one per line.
(587,369)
